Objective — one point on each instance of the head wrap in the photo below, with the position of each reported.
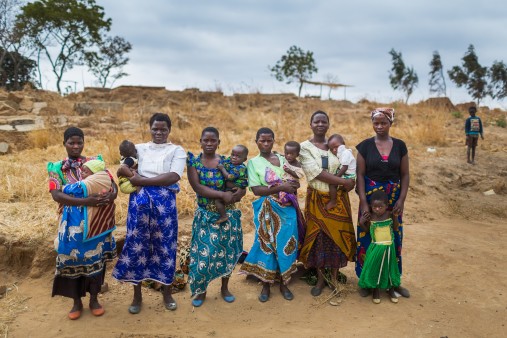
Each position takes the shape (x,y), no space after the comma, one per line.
(72,131)
(387,112)
(95,165)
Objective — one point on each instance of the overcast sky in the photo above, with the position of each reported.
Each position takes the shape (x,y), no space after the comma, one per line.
(229,44)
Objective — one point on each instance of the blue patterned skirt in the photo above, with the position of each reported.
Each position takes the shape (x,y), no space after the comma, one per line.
(149,252)
(214,249)
(275,247)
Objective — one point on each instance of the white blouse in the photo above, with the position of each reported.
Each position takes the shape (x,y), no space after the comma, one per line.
(156,159)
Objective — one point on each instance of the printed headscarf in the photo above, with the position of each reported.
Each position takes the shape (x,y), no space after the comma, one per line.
(387,112)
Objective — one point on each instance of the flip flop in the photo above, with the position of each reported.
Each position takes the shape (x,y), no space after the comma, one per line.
(229,299)
(75,314)
(134,309)
(315,291)
(197,302)
(263,297)
(376,300)
(98,312)
(171,306)
(287,295)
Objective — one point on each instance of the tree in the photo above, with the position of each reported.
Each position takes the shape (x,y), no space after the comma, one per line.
(498,80)
(437,80)
(63,30)
(471,75)
(110,56)
(402,77)
(16,65)
(16,70)
(295,65)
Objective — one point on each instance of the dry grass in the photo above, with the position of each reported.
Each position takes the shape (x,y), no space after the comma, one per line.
(28,211)
(11,305)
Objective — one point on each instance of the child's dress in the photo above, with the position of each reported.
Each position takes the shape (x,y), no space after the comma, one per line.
(380,269)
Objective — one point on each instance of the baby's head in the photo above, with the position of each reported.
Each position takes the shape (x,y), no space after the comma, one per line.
(379,202)
(291,151)
(128,149)
(239,154)
(334,141)
(92,167)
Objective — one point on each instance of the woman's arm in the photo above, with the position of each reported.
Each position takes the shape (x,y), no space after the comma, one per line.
(328,178)
(405,181)
(92,200)
(289,187)
(159,180)
(360,172)
(238,195)
(204,191)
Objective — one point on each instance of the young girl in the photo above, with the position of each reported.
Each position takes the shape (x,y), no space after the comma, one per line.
(380,269)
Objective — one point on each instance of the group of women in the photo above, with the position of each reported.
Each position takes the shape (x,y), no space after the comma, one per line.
(149,252)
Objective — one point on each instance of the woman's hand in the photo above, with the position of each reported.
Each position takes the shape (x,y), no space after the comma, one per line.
(124,171)
(136,179)
(289,187)
(398,207)
(349,185)
(228,197)
(238,195)
(94,200)
(364,209)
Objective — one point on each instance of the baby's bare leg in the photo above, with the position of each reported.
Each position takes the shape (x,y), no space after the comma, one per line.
(221,210)
(332,197)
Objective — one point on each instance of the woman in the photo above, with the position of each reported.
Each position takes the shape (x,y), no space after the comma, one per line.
(215,248)
(81,263)
(330,239)
(149,252)
(382,164)
(274,251)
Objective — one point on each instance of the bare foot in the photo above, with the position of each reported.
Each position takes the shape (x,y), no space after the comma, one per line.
(78,305)
(376,296)
(330,205)
(222,219)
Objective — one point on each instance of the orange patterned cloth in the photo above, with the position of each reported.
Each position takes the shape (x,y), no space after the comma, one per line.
(335,223)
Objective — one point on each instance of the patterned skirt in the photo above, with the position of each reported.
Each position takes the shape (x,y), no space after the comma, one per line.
(149,252)
(330,239)
(392,189)
(275,247)
(214,248)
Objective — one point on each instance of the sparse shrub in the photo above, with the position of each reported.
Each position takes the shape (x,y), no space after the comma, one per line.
(457,114)
(500,122)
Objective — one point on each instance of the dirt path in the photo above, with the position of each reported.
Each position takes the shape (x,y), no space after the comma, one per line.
(456,291)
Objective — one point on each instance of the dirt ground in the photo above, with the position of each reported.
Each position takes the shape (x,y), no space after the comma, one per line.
(458,289)
(453,253)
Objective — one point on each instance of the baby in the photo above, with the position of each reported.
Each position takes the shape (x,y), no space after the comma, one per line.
(128,163)
(235,174)
(292,167)
(348,165)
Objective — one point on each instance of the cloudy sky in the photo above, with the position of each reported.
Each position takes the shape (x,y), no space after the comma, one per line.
(229,44)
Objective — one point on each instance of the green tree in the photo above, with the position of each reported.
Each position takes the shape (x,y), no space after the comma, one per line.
(401,77)
(498,80)
(437,80)
(471,75)
(295,66)
(63,30)
(111,56)
(16,70)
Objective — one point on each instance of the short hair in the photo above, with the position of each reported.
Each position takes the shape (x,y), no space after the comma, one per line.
(72,131)
(338,137)
(264,130)
(161,117)
(211,130)
(244,149)
(319,112)
(472,109)
(379,195)
(293,144)
(127,147)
